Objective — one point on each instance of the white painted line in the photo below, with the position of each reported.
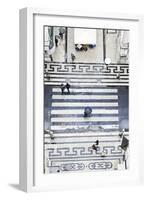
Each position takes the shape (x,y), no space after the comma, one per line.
(83,97)
(94,76)
(93,90)
(75,80)
(86,145)
(80,111)
(113,80)
(89,84)
(110,126)
(86,134)
(84,119)
(83,139)
(80,80)
(91,80)
(84,104)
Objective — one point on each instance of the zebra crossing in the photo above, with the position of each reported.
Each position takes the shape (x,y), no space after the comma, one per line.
(64,119)
(73,133)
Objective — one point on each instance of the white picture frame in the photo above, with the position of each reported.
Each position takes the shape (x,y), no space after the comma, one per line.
(30,169)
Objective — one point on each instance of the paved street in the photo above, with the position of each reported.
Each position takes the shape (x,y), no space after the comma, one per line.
(74,135)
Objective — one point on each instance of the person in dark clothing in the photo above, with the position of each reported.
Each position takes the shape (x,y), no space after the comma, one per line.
(62,88)
(62,32)
(87,111)
(118,76)
(56,41)
(61,35)
(68,87)
(96,145)
(125,143)
(51,58)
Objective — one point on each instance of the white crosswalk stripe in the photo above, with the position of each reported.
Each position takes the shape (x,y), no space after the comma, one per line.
(92,91)
(80,111)
(76,127)
(84,104)
(82,119)
(81,97)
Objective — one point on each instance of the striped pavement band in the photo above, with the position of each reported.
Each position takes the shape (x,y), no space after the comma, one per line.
(80,111)
(108,126)
(90,97)
(91,84)
(94,90)
(69,104)
(87,119)
(110,79)
(94,76)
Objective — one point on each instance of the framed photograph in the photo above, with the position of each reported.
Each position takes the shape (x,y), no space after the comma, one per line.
(79,115)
